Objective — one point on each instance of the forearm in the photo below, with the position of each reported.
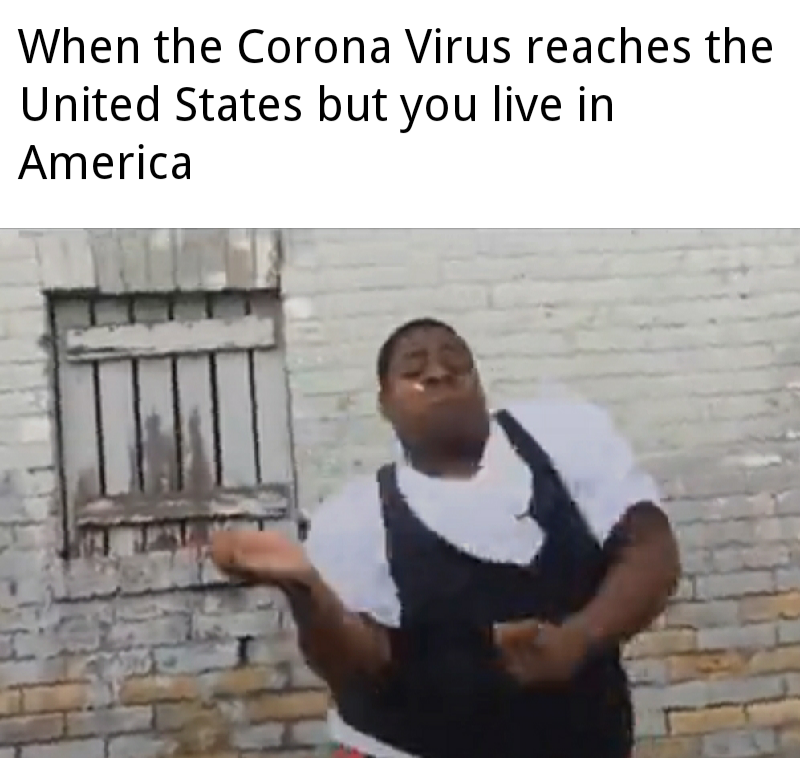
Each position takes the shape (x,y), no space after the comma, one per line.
(639,583)
(338,645)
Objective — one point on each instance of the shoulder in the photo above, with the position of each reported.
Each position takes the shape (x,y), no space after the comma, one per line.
(586,447)
(595,461)
(346,543)
(353,510)
(563,420)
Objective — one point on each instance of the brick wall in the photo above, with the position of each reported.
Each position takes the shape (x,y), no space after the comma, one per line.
(688,336)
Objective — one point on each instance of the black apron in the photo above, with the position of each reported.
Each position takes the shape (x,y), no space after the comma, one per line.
(448,697)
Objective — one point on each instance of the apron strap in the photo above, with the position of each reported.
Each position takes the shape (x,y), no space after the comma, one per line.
(540,464)
(387,484)
(552,505)
(390,495)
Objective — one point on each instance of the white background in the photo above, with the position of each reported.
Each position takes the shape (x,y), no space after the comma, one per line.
(694,144)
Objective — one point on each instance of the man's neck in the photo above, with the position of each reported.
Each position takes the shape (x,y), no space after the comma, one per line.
(447,465)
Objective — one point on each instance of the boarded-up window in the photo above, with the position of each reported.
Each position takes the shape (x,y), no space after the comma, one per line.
(173,418)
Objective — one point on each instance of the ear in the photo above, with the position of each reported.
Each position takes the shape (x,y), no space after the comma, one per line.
(379,402)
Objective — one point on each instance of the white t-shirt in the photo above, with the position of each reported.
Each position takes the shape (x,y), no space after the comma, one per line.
(347,539)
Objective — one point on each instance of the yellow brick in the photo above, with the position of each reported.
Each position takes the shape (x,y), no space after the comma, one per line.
(668,747)
(182,715)
(288,706)
(36,728)
(777,661)
(245,681)
(658,644)
(141,690)
(55,697)
(706,666)
(193,727)
(758,608)
(775,713)
(10,702)
(706,720)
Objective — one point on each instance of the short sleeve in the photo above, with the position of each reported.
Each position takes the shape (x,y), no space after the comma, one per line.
(346,543)
(595,461)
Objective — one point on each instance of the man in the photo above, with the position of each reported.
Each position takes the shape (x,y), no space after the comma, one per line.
(471,601)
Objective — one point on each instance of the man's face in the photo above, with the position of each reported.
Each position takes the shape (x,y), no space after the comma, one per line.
(432,393)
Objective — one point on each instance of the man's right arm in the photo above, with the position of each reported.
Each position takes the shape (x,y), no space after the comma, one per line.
(346,606)
(339,589)
(338,645)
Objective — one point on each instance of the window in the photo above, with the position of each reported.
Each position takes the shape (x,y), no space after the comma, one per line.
(172,417)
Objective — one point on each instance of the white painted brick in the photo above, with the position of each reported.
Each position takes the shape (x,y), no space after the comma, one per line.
(403,303)
(399,275)
(20,404)
(722,263)
(665,290)
(19,272)
(15,246)
(23,301)
(20,350)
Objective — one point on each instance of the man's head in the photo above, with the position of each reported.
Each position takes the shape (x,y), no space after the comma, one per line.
(430,391)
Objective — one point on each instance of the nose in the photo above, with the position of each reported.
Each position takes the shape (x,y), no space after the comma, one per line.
(436,372)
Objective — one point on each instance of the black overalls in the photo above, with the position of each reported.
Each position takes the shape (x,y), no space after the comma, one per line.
(448,697)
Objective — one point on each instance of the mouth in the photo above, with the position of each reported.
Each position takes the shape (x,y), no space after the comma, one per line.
(443,399)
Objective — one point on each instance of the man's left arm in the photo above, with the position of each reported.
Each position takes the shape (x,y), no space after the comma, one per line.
(621,502)
(643,575)
(640,581)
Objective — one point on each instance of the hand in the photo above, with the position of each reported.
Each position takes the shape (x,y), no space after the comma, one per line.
(536,652)
(260,557)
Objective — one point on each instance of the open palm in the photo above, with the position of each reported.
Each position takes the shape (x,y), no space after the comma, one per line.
(263,557)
